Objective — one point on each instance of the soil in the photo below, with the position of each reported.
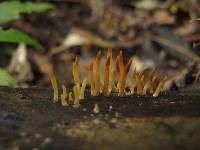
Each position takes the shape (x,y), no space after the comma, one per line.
(30,120)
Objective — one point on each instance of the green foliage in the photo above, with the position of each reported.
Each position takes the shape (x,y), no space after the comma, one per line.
(12,10)
(8,51)
(15,36)
(6,79)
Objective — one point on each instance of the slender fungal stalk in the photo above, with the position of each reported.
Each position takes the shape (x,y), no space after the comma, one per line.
(83,86)
(140,78)
(111,82)
(117,70)
(149,82)
(123,74)
(55,87)
(112,86)
(64,96)
(76,96)
(97,80)
(133,82)
(107,72)
(121,62)
(76,71)
(120,69)
(159,87)
(76,74)
(117,65)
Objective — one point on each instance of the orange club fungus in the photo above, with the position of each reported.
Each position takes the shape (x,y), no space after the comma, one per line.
(138,85)
(97,80)
(55,87)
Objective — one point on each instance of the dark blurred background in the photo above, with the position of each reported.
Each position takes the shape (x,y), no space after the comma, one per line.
(38,37)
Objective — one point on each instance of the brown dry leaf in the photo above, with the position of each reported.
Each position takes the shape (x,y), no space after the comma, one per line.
(187,29)
(79,37)
(20,65)
(142,63)
(163,17)
(174,45)
(147,4)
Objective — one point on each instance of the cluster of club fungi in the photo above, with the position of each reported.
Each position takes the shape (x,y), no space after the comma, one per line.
(106,86)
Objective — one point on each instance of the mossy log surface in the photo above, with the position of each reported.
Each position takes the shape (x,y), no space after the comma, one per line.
(30,120)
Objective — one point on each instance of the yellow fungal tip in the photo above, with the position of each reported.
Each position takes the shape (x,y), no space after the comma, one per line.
(98,56)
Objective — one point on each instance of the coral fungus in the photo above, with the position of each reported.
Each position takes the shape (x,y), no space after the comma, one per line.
(139,84)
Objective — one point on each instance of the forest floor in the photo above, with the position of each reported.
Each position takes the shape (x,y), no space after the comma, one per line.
(30,120)
(156,34)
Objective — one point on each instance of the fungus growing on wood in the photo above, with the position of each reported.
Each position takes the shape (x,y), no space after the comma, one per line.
(82,91)
(159,87)
(75,68)
(55,87)
(119,68)
(139,82)
(64,96)
(96,70)
(133,82)
(76,95)
(111,81)
(123,72)
(122,85)
(149,82)
(94,80)
(79,92)
(76,73)
(121,62)
(107,72)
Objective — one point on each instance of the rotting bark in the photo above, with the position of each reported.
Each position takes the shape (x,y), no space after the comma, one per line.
(29,119)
